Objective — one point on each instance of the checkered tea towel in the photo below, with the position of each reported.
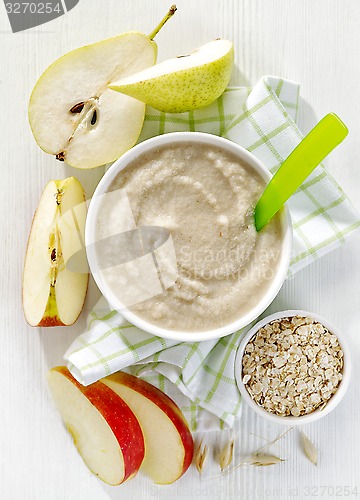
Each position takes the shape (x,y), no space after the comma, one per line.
(200,375)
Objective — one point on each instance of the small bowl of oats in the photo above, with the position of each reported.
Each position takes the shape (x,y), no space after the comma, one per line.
(293,367)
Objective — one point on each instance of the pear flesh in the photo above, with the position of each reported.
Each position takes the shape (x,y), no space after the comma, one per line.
(183,83)
(73,114)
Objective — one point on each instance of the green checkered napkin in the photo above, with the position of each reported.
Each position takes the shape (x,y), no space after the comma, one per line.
(200,375)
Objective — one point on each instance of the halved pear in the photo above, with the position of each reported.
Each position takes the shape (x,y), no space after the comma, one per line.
(183,83)
(73,114)
(52,294)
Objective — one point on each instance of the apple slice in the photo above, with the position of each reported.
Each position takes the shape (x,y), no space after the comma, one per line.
(183,83)
(105,430)
(169,445)
(52,294)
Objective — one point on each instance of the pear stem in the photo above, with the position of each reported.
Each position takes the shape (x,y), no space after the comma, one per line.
(171,12)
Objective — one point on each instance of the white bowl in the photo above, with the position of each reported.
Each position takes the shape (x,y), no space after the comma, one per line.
(303,419)
(115,302)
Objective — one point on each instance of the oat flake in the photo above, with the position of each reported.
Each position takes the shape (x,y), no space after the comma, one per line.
(292,366)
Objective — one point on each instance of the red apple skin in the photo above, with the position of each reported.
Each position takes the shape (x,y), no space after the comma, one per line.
(50,322)
(120,419)
(166,404)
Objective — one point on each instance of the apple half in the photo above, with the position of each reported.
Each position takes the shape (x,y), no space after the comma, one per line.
(169,445)
(52,294)
(105,430)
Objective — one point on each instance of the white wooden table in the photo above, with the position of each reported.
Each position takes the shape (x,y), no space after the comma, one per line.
(313,42)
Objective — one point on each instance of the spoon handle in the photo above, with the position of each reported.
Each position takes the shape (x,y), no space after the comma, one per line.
(319,142)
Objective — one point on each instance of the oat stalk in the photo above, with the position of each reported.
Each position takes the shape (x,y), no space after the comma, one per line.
(309,448)
(226,455)
(269,441)
(201,456)
(274,441)
(261,460)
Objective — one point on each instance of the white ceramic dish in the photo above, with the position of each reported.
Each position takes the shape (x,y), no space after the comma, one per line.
(303,419)
(176,138)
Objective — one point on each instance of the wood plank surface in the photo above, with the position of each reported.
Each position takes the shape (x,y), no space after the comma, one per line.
(314,42)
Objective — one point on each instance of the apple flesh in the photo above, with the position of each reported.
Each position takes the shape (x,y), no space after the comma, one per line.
(105,430)
(52,294)
(169,445)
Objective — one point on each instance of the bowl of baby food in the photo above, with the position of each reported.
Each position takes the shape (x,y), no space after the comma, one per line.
(171,240)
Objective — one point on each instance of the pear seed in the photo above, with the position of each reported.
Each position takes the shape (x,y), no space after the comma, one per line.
(94,118)
(77,108)
(60,156)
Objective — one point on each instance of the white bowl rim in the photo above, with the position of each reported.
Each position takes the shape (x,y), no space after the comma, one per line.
(120,164)
(317,414)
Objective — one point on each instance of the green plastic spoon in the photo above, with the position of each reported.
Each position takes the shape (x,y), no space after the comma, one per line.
(319,142)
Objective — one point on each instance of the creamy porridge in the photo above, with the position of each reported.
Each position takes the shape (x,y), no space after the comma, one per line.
(205,197)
